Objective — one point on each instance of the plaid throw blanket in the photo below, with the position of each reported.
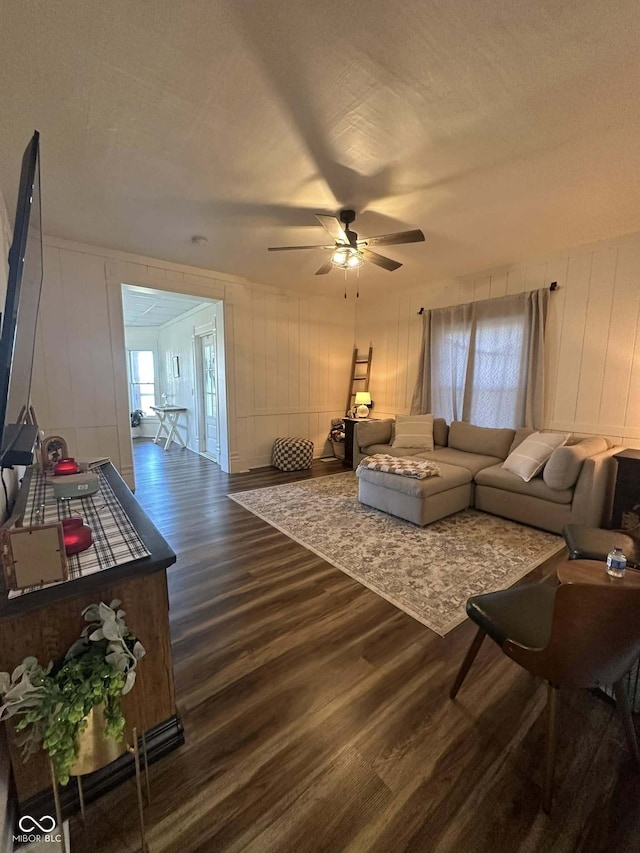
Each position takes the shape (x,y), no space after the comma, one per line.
(405,466)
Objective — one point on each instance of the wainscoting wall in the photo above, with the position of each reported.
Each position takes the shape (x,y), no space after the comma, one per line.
(288,355)
(593,350)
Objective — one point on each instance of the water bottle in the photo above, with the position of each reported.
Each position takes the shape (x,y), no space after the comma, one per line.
(616,563)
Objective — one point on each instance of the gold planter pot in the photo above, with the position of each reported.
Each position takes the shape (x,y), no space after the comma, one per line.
(94,750)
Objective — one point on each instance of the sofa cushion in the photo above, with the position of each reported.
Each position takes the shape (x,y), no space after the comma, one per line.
(450,477)
(500,478)
(577,437)
(440,432)
(565,463)
(473,462)
(483,440)
(398,452)
(374,432)
(414,431)
(529,458)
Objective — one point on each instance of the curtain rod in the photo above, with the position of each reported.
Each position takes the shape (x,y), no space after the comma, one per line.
(552,287)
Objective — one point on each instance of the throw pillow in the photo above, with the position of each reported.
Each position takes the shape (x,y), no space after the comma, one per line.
(440,432)
(373,432)
(521,434)
(414,431)
(530,456)
(565,463)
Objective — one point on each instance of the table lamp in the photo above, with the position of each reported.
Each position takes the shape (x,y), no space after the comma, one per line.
(362,401)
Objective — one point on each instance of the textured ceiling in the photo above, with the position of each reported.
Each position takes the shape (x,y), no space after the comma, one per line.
(143,306)
(502,129)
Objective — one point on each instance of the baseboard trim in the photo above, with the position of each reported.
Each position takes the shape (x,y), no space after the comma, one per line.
(161,740)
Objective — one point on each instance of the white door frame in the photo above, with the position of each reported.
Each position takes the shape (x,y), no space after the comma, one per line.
(199,333)
(118,273)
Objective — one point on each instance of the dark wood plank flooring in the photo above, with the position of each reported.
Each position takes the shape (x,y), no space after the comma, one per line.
(317,716)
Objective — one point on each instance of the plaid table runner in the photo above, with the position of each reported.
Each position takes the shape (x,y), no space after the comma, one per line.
(115,540)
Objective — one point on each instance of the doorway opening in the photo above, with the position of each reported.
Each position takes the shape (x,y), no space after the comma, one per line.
(175,371)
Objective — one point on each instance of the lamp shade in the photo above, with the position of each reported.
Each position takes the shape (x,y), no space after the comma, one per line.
(363,398)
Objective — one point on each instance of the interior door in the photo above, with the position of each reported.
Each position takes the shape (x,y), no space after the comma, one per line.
(210,393)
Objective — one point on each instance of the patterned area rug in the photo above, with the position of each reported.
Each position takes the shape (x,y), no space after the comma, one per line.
(429,572)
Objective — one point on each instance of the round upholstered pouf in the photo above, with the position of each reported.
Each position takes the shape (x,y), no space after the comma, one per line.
(292,454)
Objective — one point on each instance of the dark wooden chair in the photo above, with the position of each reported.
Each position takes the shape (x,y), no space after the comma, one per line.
(594,543)
(574,635)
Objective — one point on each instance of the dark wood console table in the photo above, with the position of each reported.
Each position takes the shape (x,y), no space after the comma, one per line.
(47,621)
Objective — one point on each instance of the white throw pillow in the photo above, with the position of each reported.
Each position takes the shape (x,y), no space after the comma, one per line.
(414,431)
(529,458)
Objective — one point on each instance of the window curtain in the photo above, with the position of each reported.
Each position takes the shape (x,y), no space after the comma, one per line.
(483,362)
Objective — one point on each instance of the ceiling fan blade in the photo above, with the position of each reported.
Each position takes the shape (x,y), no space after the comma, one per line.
(380,260)
(293,248)
(326,267)
(393,239)
(333,226)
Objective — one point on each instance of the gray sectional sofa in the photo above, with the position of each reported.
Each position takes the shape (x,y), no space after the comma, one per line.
(576,488)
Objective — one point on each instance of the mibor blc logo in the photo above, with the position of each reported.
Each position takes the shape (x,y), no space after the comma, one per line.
(33,829)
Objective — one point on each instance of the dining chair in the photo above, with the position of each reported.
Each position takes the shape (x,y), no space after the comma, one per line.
(574,635)
(594,543)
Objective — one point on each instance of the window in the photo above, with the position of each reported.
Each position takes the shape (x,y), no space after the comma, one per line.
(483,362)
(142,380)
(497,377)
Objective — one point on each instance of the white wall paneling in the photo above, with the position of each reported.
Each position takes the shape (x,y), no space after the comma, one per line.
(287,355)
(593,341)
(175,338)
(298,372)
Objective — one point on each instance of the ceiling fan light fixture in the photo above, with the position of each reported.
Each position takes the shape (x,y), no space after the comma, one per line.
(347,258)
(347,251)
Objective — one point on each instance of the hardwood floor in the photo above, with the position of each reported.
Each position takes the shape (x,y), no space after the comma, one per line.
(317,715)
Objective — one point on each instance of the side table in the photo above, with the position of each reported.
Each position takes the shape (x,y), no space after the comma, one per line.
(168,417)
(594,571)
(349,426)
(626,498)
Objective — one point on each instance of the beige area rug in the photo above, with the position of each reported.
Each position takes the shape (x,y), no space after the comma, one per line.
(429,572)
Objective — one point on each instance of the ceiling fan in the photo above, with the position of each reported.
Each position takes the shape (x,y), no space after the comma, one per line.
(348,252)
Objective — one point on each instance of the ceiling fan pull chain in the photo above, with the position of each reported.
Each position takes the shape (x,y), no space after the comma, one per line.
(357,282)
(345,283)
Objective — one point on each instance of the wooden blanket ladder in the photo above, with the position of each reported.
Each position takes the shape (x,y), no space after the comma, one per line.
(360,375)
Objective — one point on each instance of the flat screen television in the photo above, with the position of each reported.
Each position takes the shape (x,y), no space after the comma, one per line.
(18,334)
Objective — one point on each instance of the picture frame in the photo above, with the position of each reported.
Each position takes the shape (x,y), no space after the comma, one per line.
(33,556)
(53,448)
(175,363)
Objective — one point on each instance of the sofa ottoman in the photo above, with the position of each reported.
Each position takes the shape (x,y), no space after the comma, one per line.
(292,454)
(419,501)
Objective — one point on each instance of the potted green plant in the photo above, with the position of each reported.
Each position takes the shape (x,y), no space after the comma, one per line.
(51,706)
